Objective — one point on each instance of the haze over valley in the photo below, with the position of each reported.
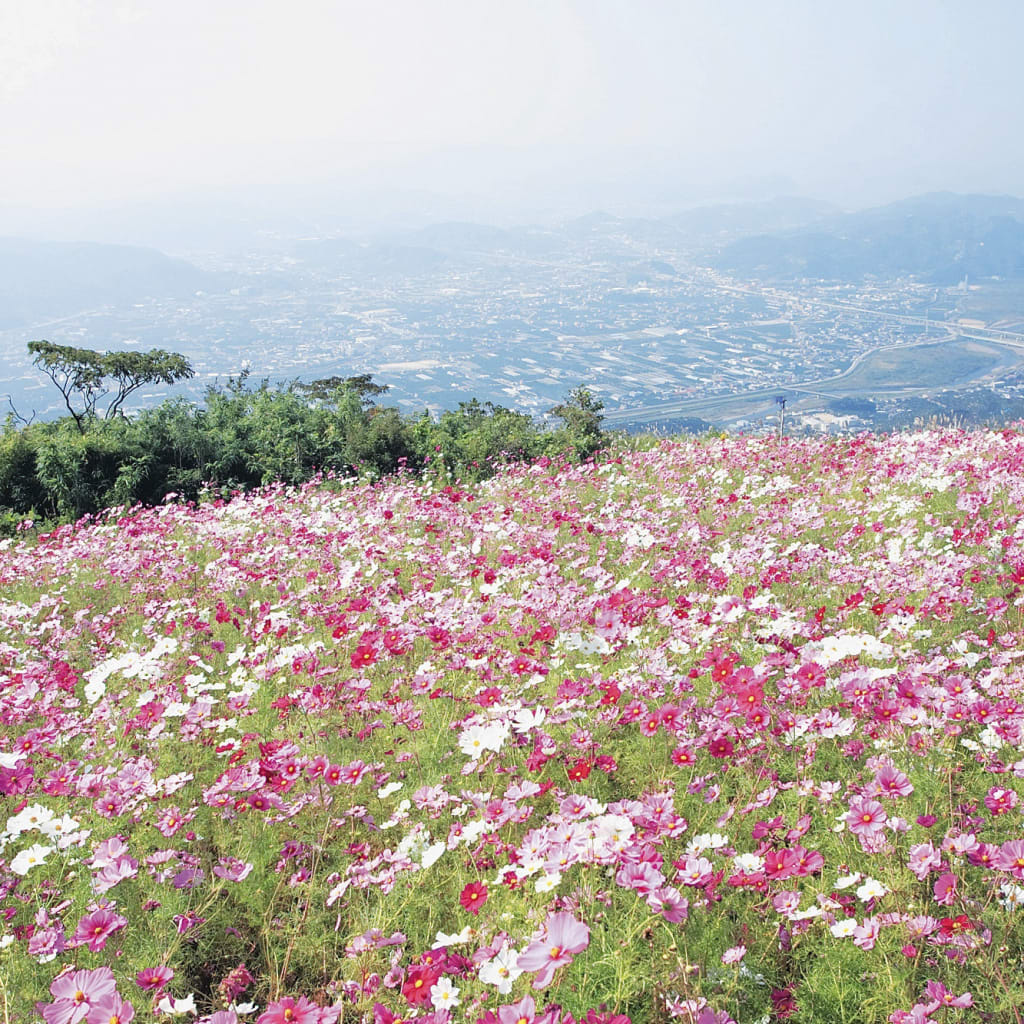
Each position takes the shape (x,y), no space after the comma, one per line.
(696,214)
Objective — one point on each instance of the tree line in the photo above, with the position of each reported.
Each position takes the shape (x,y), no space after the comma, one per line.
(246,434)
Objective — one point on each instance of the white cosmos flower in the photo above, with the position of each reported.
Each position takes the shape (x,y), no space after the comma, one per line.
(501,971)
(748,863)
(443,994)
(432,854)
(843,929)
(476,739)
(548,882)
(57,827)
(526,719)
(33,816)
(706,841)
(871,889)
(30,858)
(171,1005)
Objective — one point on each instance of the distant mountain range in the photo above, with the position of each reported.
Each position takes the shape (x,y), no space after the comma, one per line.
(941,238)
(46,280)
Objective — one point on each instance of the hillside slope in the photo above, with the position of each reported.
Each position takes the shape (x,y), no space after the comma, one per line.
(709,732)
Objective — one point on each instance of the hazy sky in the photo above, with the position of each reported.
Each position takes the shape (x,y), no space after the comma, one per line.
(855,100)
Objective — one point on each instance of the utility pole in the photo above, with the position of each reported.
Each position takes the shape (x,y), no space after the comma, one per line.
(780,401)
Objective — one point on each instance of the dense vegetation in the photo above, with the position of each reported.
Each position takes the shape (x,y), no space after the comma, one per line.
(247,435)
(723,731)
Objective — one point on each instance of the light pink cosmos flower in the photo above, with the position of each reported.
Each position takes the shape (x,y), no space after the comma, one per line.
(112,873)
(75,993)
(642,877)
(923,858)
(232,869)
(695,871)
(669,903)
(513,1013)
(865,816)
(787,902)
(734,955)
(865,935)
(563,937)
(114,1010)
(1010,857)
(290,1011)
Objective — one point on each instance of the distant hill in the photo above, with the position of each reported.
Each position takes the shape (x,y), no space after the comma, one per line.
(46,280)
(940,238)
(731,220)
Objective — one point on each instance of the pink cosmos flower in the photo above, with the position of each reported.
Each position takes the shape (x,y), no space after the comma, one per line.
(114,1011)
(290,1011)
(1000,801)
(171,819)
(563,937)
(807,862)
(353,772)
(94,929)
(151,978)
(938,995)
(945,889)
(780,864)
(669,903)
(892,783)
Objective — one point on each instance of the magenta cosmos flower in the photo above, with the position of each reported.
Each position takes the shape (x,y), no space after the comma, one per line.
(152,978)
(563,936)
(291,1011)
(473,897)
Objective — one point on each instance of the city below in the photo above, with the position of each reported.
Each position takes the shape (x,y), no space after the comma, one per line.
(666,321)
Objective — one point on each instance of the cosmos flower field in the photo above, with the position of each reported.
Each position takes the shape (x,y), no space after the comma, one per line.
(723,730)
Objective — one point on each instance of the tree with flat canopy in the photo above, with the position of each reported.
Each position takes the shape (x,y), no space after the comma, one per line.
(86,378)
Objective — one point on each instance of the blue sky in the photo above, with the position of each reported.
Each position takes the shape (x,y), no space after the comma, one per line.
(858,102)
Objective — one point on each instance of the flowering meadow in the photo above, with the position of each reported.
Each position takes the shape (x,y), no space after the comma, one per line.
(723,730)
